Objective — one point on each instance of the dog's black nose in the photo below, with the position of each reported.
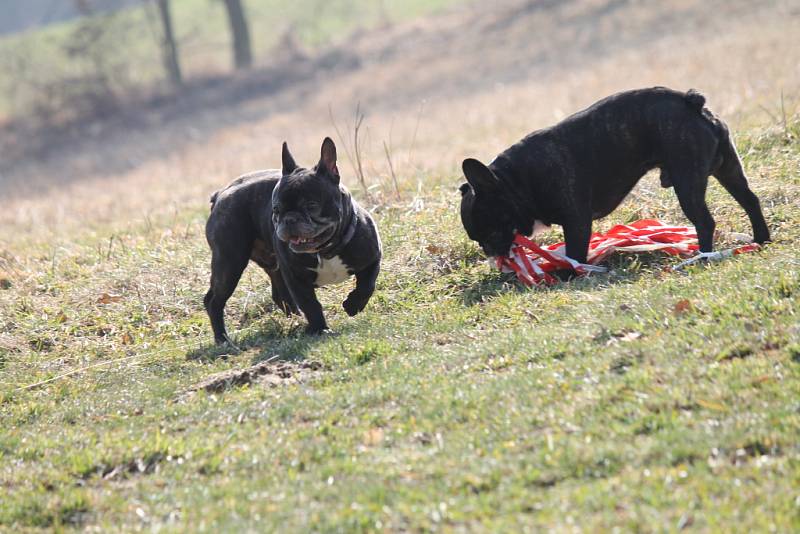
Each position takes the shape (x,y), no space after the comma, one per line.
(289,218)
(498,248)
(494,251)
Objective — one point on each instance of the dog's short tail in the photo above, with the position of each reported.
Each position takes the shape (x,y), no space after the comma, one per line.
(695,99)
(697,102)
(726,151)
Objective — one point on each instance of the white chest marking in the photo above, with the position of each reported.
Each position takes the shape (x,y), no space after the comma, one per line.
(330,271)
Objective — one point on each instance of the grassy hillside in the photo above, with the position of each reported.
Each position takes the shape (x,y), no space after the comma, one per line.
(641,399)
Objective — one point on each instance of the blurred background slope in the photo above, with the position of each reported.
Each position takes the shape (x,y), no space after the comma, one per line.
(117,111)
(21,15)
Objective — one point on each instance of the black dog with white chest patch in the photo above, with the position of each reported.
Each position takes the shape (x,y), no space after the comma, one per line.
(582,168)
(303,228)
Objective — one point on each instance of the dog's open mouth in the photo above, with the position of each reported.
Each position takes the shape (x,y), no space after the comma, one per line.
(313,243)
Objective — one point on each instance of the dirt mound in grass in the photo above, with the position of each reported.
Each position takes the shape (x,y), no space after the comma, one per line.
(268,374)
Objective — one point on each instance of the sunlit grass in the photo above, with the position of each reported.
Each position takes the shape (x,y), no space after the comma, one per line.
(457,400)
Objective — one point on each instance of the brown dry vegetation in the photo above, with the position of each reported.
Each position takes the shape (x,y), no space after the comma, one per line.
(468,82)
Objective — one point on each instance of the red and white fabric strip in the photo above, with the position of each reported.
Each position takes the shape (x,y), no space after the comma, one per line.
(533,263)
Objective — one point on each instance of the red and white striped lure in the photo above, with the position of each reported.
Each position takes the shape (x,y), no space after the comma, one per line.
(533,263)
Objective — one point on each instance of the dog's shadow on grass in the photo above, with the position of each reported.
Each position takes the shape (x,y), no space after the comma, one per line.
(623,268)
(489,286)
(275,340)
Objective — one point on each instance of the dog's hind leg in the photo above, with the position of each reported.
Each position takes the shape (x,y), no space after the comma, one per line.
(731,175)
(226,270)
(690,187)
(280,294)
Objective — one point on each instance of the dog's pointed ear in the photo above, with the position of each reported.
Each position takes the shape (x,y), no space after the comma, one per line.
(288,161)
(479,176)
(327,159)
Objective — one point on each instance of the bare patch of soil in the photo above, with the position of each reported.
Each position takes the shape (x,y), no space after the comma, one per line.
(268,374)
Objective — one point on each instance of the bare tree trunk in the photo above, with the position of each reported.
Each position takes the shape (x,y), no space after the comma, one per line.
(169,49)
(242,53)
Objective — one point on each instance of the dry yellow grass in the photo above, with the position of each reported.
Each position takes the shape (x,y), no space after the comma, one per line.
(426,91)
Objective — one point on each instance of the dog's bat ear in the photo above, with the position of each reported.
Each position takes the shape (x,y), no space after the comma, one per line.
(479,176)
(288,161)
(327,159)
(465,188)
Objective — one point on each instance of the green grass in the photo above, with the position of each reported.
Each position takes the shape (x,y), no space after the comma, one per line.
(38,66)
(457,401)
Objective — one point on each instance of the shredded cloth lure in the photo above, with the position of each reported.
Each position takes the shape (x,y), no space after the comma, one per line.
(533,263)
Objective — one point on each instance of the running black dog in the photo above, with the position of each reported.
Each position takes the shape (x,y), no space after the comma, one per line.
(303,228)
(582,168)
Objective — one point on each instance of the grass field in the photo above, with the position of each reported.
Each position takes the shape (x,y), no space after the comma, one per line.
(642,400)
(458,399)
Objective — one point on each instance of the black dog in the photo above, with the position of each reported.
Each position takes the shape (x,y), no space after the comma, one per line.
(302,227)
(582,168)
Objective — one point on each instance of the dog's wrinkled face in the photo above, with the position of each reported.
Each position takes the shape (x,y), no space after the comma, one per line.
(307,203)
(486,215)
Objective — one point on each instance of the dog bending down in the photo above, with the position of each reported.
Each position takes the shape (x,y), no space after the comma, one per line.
(582,168)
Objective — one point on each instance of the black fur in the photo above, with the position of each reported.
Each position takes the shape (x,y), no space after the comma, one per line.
(265,217)
(582,168)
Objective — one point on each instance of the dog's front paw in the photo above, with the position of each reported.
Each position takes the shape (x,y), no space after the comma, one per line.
(314,330)
(225,343)
(354,304)
(762,238)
